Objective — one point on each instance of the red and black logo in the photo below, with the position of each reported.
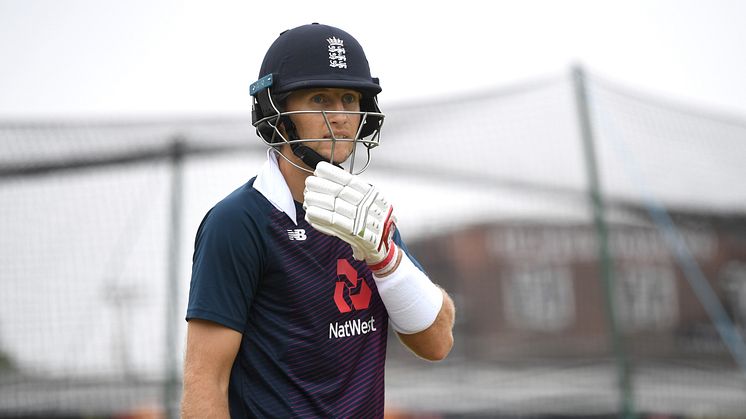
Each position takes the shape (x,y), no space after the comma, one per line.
(351,285)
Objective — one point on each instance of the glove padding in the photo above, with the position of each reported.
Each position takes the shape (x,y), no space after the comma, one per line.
(340,204)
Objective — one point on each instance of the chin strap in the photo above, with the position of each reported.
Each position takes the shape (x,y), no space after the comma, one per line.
(308,156)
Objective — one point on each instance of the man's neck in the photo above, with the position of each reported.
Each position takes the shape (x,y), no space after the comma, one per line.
(294,177)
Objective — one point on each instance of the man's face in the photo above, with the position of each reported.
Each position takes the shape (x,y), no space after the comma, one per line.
(313,125)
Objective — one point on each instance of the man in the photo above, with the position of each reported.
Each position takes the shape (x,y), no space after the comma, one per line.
(297,274)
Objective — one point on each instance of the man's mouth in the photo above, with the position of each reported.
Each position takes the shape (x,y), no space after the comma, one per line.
(337,137)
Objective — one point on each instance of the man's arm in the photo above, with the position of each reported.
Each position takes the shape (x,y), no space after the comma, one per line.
(340,204)
(210,352)
(435,342)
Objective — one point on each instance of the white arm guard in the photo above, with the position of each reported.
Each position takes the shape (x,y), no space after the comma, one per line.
(411,299)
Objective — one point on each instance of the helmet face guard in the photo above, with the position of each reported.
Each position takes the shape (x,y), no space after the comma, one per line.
(276,129)
(315,56)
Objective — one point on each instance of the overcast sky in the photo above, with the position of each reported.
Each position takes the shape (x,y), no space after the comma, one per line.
(167,57)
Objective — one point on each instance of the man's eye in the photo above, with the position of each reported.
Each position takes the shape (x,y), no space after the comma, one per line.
(318,99)
(349,98)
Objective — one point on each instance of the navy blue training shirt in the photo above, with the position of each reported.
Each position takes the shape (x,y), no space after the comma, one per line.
(314,327)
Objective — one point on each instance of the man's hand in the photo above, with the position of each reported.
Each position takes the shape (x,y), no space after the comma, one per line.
(340,204)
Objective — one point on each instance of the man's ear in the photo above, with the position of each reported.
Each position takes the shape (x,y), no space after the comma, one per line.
(281,128)
(287,127)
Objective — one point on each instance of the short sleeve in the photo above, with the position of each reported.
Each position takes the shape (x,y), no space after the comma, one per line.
(226,267)
(399,242)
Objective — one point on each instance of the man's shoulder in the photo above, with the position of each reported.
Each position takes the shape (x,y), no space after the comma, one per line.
(245,202)
(243,196)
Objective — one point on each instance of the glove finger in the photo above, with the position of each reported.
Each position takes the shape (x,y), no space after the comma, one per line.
(350,195)
(316,199)
(320,216)
(333,173)
(345,208)
(324,186)
(359,185)
(343,223)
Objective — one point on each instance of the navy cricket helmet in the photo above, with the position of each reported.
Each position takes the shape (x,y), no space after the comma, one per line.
(312,56)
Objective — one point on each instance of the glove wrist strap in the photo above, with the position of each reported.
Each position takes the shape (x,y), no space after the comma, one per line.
(389,263)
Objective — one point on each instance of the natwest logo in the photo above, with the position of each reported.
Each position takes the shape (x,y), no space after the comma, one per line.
(355,287)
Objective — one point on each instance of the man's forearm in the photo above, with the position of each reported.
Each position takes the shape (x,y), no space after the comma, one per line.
(435,342)
(199,402)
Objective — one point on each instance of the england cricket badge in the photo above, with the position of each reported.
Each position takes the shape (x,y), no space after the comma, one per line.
(337,57)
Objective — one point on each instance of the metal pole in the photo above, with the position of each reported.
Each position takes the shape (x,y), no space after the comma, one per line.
(604,257)
(171,379)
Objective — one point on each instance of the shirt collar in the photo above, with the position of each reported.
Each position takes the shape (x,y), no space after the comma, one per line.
(270,183)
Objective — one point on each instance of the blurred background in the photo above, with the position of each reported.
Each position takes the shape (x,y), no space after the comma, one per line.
(570,171)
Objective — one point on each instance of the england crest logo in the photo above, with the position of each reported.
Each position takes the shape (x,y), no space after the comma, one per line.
(337,58)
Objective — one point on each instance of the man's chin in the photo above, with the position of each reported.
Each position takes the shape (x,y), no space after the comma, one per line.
(340,161)
(338,158)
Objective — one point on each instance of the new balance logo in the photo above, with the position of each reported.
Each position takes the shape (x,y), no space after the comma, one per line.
(297,234)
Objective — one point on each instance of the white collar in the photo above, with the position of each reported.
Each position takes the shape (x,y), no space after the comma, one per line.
(270,183)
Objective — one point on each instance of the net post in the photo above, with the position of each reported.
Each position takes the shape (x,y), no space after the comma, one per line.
(177,151)
(605,263)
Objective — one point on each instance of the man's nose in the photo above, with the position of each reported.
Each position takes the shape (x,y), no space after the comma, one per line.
(338,113)
(337,105)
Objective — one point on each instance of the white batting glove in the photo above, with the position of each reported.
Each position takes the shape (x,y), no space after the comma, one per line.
(340,204)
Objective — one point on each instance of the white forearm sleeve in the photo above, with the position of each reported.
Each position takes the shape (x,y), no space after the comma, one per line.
(411,299)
